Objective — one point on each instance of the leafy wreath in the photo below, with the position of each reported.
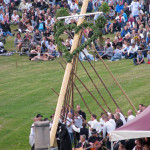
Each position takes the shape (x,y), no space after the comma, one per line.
(59,29)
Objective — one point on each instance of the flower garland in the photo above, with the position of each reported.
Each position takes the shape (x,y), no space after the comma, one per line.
(59,29)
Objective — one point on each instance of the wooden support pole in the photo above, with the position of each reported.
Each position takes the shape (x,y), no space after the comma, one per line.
(96,87)
(16,59)
(116,81)
(103,83)
(66,79)
(80,94)
(72,108)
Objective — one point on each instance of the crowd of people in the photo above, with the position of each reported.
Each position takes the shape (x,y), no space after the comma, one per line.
(74,131)
(129,20)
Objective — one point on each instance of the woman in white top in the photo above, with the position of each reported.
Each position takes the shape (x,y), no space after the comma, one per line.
(15,17)
(135,8)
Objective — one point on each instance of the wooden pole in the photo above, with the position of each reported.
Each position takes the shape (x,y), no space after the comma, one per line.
(80,94)
(66,79)
(116,81)
(16,58)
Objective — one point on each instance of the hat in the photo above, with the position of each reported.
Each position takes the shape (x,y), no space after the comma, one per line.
(93,131)
(39,115)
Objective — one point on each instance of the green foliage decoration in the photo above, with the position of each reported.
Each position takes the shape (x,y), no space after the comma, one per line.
(104,8)
(59,29)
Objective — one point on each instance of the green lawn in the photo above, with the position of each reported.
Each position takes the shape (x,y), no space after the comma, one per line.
(25,91)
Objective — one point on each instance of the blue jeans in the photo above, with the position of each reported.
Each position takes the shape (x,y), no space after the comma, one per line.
(89,56)
(7,32)
(115,57)
(71,137)
(54,53)
(135,61)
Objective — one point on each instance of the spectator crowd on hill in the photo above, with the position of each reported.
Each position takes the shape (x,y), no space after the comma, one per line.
(129,20)
(75,131)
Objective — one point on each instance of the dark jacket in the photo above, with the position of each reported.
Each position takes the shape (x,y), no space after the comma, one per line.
(6,27)
(119,123)
(65,142)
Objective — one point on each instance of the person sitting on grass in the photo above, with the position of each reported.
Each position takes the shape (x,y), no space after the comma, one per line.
(85,54)
(18,41)
(117,54)
(6,29)
(15,18)
(139,60)
(109,52)
(108,27)
(132,51)
(148,57)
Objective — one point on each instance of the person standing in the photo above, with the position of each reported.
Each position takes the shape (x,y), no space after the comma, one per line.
(82,113)
(32,131)
(119,122)
(69,123)
(130,116)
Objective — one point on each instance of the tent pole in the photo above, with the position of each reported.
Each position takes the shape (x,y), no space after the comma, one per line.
(112,145)
(66,78)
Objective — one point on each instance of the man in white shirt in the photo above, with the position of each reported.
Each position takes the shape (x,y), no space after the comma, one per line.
(77,120)
(132,50)
(94,123)
(111,119)
(108,127)
(69,123)
(102,118)
(130,116)
(74,6)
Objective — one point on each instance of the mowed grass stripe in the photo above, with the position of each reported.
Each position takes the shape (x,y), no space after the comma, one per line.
(25,91)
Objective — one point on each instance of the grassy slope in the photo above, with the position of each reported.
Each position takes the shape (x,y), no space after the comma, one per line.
(25,91)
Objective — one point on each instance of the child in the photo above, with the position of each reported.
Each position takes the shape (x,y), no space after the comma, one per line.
(139,59)
(148,57)
(117,54)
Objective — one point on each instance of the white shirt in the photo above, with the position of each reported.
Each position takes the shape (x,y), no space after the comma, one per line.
(75,128)
(29,5)
(135,8)
(122,118)
(74,6)
(113,122)
(31,137)
(69,2)
(107,128)
(6,1)
(131,117)
(15,18)
(101,120)
(132,49)
(68,122)
(95,125)
(78,122)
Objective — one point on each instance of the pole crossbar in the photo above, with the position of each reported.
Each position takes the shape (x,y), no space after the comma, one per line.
(80,15)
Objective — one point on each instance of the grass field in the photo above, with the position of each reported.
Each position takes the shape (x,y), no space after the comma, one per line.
(25,91)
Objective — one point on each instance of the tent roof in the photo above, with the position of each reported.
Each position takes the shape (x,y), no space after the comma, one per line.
(137,128)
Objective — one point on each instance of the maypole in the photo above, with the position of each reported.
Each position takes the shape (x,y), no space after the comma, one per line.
(66,78)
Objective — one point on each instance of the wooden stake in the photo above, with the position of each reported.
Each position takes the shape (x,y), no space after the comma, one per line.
(116,81)
(16,59)
(66,79)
